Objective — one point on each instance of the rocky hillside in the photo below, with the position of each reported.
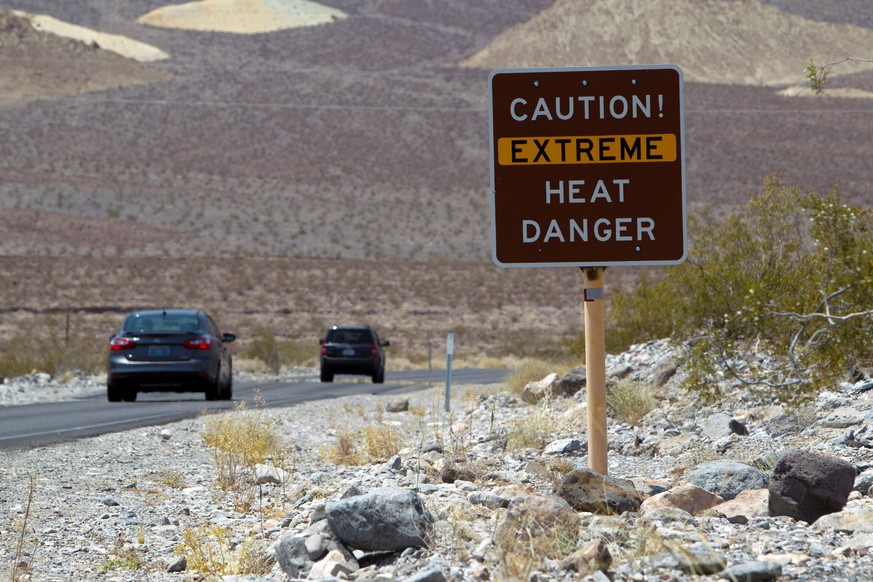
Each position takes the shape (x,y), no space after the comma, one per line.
(395,489)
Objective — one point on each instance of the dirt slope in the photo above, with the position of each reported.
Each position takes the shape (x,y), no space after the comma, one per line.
(38,62)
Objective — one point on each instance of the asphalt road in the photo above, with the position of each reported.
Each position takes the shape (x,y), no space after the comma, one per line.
(33,425)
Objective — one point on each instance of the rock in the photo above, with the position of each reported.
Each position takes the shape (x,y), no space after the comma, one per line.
(594,556)
(855,516)
(569,446)
(727,478)
(757,571)
(864,481)
(698,560)
(333,565)
(748,503)
(397,406)
(533,392)
(180,564)
(570,383)
(586,490)
(721,425)
(844,417)
(383,520)
(265,474)
(687,497)
(292,556)
(554,387)
(432,575)
(807,485)
(452,473)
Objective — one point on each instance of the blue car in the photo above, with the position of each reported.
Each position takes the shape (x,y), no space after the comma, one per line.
(170,350)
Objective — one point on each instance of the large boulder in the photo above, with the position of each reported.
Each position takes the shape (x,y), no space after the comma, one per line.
(587,490)
(727,478)
(687,497)
(553,386)
(807,485)
(386,519)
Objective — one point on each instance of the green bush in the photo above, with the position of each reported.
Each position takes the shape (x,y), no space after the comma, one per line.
(789,275)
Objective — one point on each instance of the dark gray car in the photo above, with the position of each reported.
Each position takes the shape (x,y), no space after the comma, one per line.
(353,350)
(170,350)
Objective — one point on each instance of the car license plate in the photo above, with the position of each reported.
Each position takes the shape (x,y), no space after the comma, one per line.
(159,351)
(349,352)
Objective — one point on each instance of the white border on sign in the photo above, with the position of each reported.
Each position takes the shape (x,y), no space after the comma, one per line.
(682,163)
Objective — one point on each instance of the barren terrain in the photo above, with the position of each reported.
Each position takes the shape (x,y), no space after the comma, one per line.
(339,170)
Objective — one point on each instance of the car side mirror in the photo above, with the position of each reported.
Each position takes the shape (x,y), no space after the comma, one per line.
(385,343)
(321,342)
(228,337)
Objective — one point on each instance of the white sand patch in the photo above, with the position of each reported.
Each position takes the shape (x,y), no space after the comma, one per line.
(744,42)
(242,16)
(122,45)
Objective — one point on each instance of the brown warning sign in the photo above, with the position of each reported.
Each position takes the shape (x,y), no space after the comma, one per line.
(587,166)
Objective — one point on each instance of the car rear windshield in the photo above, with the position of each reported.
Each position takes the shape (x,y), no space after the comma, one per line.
(169,323)
(349,336)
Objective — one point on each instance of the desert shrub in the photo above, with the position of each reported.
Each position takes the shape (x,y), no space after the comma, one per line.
(373,444)
(265,347)
(43,351)
(239,442)
(790,276)
(123,556)
(212,549)
(629,401)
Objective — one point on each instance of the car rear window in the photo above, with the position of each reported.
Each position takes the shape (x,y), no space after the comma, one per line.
(349,336)
(170,323)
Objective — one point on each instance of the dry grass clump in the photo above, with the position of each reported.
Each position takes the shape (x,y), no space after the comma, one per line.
(239,441)
(212,549)
(548,418)
(372,444)
(526,537)
(629,401)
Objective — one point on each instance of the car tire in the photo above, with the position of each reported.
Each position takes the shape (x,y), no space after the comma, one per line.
(114,393)
(130,395)
(212,391)
(226,391)
(379,377)
(326,375)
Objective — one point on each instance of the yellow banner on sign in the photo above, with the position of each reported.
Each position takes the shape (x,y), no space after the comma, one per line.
(599,149)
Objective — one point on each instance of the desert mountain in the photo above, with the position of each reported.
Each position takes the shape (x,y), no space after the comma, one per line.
(366,135)
(736,42)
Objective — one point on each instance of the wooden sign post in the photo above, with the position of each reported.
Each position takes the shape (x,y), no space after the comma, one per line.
(595,368)
(588,170)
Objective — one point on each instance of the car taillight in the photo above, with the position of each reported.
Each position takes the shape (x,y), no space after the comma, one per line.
(323,349)
(121,343)
(374,351)
(198,343)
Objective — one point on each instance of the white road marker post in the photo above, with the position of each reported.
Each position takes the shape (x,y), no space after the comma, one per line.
(595,368)
(450,348)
